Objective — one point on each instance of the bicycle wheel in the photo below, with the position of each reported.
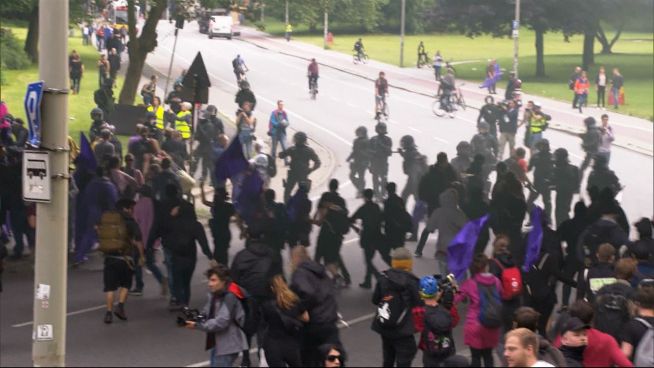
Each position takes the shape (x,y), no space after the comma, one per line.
(364,58)
(355,59)
(462,102)
(436,108)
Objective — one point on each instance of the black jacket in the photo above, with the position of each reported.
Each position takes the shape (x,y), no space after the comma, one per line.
(300,156)
(360,154)
(407,285)
(599,271)
(254,267)
(566,178)
(316,291)
(434,182)
(543,167)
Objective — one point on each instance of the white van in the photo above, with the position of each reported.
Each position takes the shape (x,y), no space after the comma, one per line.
(221,26)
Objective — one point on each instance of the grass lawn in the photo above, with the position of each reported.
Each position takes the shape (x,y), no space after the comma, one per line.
(633,54)
(79,106)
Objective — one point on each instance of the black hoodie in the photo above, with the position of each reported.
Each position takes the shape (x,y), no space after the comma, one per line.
(254,267)
(316,291)
(406,284)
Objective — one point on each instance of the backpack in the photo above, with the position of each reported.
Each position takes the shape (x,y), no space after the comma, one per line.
(271,170)
(437,345)
(511,281)
(490,306)
(250,309)
(338,221)
(392,310)
(538,286)
(590,242)
(644,353)
(112,233)
(611,313)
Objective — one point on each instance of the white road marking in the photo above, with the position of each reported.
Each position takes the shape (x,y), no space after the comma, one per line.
(91,309)
(441,140)
(416,130)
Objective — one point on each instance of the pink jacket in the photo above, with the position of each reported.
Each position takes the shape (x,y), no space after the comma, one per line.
(474,334)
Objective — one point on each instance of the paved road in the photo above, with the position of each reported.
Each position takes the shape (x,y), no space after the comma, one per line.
(345,102)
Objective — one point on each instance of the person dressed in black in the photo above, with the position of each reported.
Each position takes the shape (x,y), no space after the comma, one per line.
(179,235)
(175,147)
(97,117)
(414,166)
(484,143)
(300,154)
(222,213)
(245,94)
(604,230)
(569,232)
(490,113)
(397,221)
(284,316)
(104,97)
(299,216)
(331,216)
(371,238)
(602,177)
(315,289)
(514,84)
(165,178)
(435,181)
(590,141)
(174,99)
(359,159)
(565,179)
(600,273)
(253,269)
(208,129)
(381,148)
(543,167)
(463,158)
(276,213)
(508,209)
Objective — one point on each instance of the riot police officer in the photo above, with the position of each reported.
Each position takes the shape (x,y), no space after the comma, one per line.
(300,155)
(543,166)
(381,148)
(414,166)
(359,159)
(96,126)
(208,129)
(485,144)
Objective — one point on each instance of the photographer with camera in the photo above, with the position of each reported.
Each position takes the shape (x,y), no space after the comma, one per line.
(436,319)
(221,318)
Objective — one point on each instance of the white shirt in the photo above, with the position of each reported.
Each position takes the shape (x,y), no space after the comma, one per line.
(601,80)
(540,363)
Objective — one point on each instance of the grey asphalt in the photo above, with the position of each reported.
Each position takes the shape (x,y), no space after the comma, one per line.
(345,101)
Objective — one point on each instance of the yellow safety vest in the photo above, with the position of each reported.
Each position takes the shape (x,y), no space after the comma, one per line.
(182,126)
(160,116)
(537,125)
(289,28)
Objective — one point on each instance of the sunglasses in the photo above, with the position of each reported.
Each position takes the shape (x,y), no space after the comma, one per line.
(332,358)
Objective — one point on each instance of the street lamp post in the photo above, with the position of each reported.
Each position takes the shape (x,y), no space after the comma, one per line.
(402,18)
(326,26)
(286,13)
(516,27)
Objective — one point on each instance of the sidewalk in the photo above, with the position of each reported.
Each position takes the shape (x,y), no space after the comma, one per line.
(632,133)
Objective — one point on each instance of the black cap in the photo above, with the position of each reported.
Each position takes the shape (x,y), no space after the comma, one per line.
(574,324)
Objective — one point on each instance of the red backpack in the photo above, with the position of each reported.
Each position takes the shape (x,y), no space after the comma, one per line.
(511,281)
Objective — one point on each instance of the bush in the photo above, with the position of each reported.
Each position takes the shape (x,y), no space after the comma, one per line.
(12,55)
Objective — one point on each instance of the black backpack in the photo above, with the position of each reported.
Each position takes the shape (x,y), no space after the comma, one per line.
(393,309)
(611,311)
(536,282)
(338,221)
(437,345)
(590,242)
(272,166)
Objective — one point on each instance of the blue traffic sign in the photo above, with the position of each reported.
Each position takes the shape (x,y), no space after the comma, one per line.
(33,99)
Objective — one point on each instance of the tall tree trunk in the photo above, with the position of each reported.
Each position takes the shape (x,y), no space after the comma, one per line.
(540,53)
(32,39)
(588,57)
(139,48)
(607,45)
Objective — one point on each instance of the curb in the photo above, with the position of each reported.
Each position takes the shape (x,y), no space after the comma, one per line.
(647,151)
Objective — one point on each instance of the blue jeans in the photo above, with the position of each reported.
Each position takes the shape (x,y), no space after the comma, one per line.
(616,97)
(168,261)
(222,360)
(245,136)
(534,138)
(150,264)
(281,140)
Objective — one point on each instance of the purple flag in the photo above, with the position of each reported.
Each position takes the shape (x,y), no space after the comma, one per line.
(534,239)
(232,161)
(246,194)
(462,247)
(85,163)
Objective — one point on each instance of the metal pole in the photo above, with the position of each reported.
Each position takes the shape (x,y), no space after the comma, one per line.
(263,12)
(286,13)
(325,30)
(516,27)
(51,262)
(170,66)
(402,19)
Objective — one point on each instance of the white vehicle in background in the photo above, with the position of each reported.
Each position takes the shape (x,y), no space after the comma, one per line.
(221,26)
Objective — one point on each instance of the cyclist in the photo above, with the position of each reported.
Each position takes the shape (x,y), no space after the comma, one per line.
(381,91)
(446,88)
(239,68)
(312,73)
(358,48)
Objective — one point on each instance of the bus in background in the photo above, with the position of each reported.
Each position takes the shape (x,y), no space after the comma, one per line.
(117,13)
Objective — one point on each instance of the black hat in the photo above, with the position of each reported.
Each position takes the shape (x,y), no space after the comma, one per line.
(574,324)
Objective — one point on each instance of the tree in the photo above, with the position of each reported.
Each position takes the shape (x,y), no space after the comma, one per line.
(541,17)
(139,47)
(617,14)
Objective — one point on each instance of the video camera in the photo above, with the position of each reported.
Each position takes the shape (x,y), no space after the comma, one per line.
(447,284)
(190,315)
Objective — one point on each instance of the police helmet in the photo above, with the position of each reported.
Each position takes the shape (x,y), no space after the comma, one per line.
(211,110)
(483,126)
(361,131)
(97,114)
(407,141)
(381,128)
(300,138)
(463,148)
(428,287)
(543,145)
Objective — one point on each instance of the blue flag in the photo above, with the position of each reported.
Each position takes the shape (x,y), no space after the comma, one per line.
(534,239)
(462,247)
(231,162)
(85,163)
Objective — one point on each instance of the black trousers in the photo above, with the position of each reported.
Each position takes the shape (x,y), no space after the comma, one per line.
(282,352)
(479,354)
(182,274)
(313,336)
(563,202)
(358,177)
(399,352)
(291,180)
(601,93)
(368,255)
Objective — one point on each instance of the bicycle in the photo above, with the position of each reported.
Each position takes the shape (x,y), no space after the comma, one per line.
(360,57)
(454,101)
(423,60)
(313,90)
